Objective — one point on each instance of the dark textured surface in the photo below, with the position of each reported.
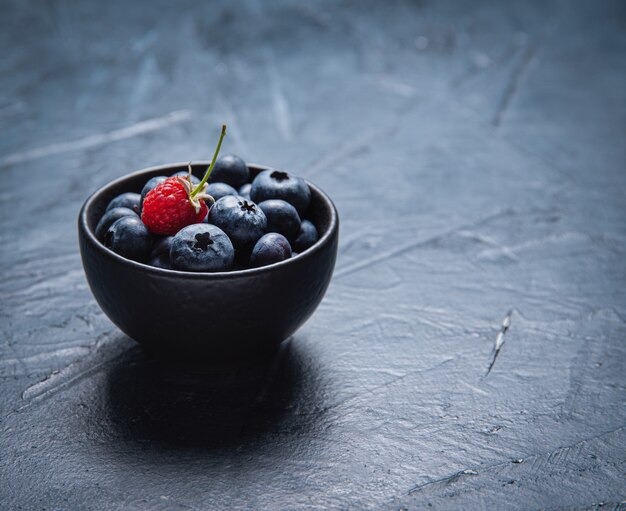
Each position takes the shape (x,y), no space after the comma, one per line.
(498,131)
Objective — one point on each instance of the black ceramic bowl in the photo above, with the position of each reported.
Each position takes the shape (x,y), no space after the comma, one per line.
(229,314)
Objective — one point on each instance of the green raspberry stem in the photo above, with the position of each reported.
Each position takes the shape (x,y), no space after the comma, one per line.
(210,169)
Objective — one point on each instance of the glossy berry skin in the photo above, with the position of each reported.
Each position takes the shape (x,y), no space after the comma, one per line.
(244,190)
(184,173)
(126,200)
(282,217)
(271,248)
(242,220)
(149,186)
(130,238)
(219,190)
(306,237)
(276,184)
(202,247)
(166,209)
(230,169)
(109,217)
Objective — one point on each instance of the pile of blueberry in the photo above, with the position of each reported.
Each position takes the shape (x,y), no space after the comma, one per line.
(248,224)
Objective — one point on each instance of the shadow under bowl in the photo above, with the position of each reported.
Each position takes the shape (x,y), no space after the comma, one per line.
(235,314)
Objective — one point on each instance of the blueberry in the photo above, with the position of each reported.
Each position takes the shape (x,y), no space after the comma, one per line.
(271,248)
(130,238)
(202,247)
(282,217)
(240,219)
(149,186)
(161,261)
(162,246)
(109,217)
(230,169)
(160,255)
(306,237)
(195,180)
(276,184)
(219,190)
(126,200)
(244,191)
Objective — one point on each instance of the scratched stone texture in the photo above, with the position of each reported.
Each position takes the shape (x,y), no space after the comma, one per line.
(476,154)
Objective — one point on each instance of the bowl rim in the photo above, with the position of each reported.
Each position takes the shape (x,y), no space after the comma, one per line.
(309,252)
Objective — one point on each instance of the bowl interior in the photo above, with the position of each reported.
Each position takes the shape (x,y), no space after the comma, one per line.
(321,211)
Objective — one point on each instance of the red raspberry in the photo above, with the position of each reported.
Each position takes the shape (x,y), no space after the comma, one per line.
(176,203)
(169,206)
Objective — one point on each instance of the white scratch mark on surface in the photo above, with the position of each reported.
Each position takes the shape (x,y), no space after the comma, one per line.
(475,389)
(506,323)
(280,104)
(65,378)
(363,141)
(58,380)
(390,254)
(512,250)
(389,83)
(345,150)
(233,120)
(46,356)
(542,457)
(146,41)
(147,78)
(281,111)
(447,480)
(99,139)
(12,109)
(487,240)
